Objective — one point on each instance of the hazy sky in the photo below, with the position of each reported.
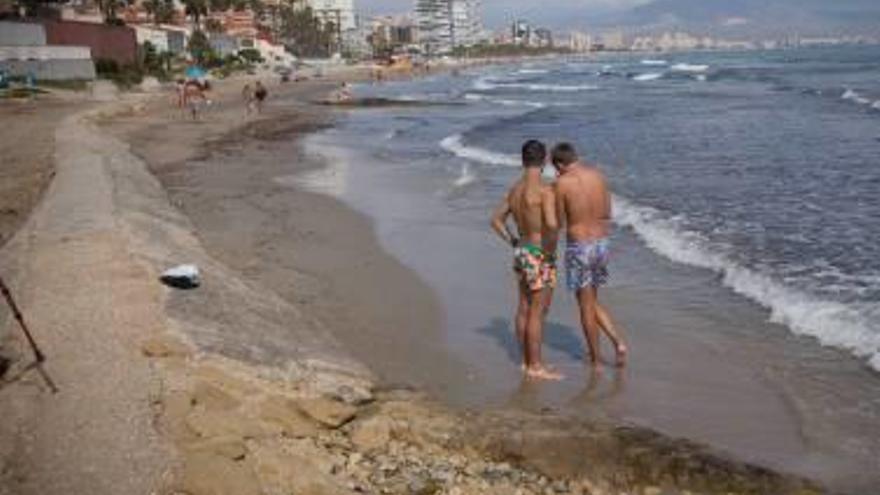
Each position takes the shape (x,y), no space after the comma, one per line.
(498,12)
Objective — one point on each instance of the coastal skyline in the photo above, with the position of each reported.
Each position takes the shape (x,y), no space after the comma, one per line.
(499,12)
(739,18)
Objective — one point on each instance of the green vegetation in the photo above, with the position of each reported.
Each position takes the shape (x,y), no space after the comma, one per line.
(306,34)
(200,48)
(155,63)
(124,76)
(162,11)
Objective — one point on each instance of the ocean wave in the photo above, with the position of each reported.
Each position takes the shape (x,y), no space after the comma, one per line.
(488,85)
(465,178)
(533,71)
(844,326)
(504,102)
(689,68)
(650,76)
(455,145)
(854,96)
(653,62)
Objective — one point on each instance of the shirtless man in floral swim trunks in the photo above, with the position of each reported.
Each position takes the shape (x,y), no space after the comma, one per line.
(533,207)
(584,205)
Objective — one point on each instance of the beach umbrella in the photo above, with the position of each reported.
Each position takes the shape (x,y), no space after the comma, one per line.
(195,72)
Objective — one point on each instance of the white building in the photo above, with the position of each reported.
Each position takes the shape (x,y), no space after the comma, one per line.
(467,22)
(446,24)
(339,12)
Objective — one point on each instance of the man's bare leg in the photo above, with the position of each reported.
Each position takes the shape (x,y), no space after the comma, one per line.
(534,339)
(522,318)
(548,300)
(587,301)
(608,327)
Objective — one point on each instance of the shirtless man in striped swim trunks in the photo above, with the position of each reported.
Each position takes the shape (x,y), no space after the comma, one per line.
(533,207)
(583,203)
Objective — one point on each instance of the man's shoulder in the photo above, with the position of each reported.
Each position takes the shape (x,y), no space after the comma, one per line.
(564,182)
(592,171)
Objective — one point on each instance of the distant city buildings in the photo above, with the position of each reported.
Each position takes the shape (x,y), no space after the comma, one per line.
(446,24)
(580,42)
(524,34)
(340,12)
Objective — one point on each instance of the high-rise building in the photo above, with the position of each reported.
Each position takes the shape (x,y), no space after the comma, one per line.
(339,12)
(446,24)
(467,24)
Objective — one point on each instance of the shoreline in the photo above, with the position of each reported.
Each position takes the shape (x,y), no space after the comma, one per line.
(240,419)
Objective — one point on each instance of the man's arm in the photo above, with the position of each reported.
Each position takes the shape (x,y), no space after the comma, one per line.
(551,219)
(606,193)
(499,222)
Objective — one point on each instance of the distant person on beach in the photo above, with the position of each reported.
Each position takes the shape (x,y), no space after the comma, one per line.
(533,207)
(250,100)
(194,97)
(180,87)
(344,94)
(583,203)
(260,94)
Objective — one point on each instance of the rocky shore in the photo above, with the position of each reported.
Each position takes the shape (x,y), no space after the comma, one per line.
(231,389)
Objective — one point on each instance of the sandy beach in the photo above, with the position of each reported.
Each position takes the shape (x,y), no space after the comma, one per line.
(272,376)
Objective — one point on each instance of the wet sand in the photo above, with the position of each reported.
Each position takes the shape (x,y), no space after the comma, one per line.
(315,252)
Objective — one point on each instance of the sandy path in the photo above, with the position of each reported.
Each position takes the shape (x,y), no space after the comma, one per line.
(89,302)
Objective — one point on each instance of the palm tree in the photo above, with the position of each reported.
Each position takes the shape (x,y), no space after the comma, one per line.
(196,9)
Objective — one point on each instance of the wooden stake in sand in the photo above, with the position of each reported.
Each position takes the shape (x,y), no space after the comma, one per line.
(38,354)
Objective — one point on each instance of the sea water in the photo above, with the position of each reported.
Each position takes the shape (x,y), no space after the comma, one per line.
(746,262)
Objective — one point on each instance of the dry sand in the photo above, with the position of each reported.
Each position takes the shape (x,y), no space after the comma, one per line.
(26,147)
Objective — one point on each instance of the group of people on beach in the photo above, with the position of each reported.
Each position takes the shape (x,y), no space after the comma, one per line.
(580,203)
(192,95)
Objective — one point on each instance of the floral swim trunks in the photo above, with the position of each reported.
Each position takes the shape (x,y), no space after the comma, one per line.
(586,264)
(536,268)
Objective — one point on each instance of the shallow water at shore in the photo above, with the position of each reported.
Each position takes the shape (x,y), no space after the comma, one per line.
(706,362)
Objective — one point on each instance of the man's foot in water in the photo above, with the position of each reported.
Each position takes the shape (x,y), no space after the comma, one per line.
(621,351)
(543,373)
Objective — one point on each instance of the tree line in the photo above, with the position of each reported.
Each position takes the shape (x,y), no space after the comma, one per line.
(291,22)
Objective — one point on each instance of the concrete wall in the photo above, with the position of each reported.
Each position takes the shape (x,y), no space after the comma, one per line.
(50,70)
(43,53)
(117,43)
(22,34)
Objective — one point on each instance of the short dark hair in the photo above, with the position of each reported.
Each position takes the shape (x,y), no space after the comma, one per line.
(564,154)
(534,153)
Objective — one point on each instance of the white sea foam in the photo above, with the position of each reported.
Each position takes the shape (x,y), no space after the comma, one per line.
(876,105)
(650,76)
(833,323)
(466,178)
(504,102)
(489,85)
(690,68)
(455,145)
(854,96)
(532,71)
(653,62)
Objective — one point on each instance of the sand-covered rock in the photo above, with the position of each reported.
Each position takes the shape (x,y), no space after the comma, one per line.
(330,413)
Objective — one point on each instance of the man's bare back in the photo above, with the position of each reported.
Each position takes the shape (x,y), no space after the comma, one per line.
(584,202)
(531,205)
